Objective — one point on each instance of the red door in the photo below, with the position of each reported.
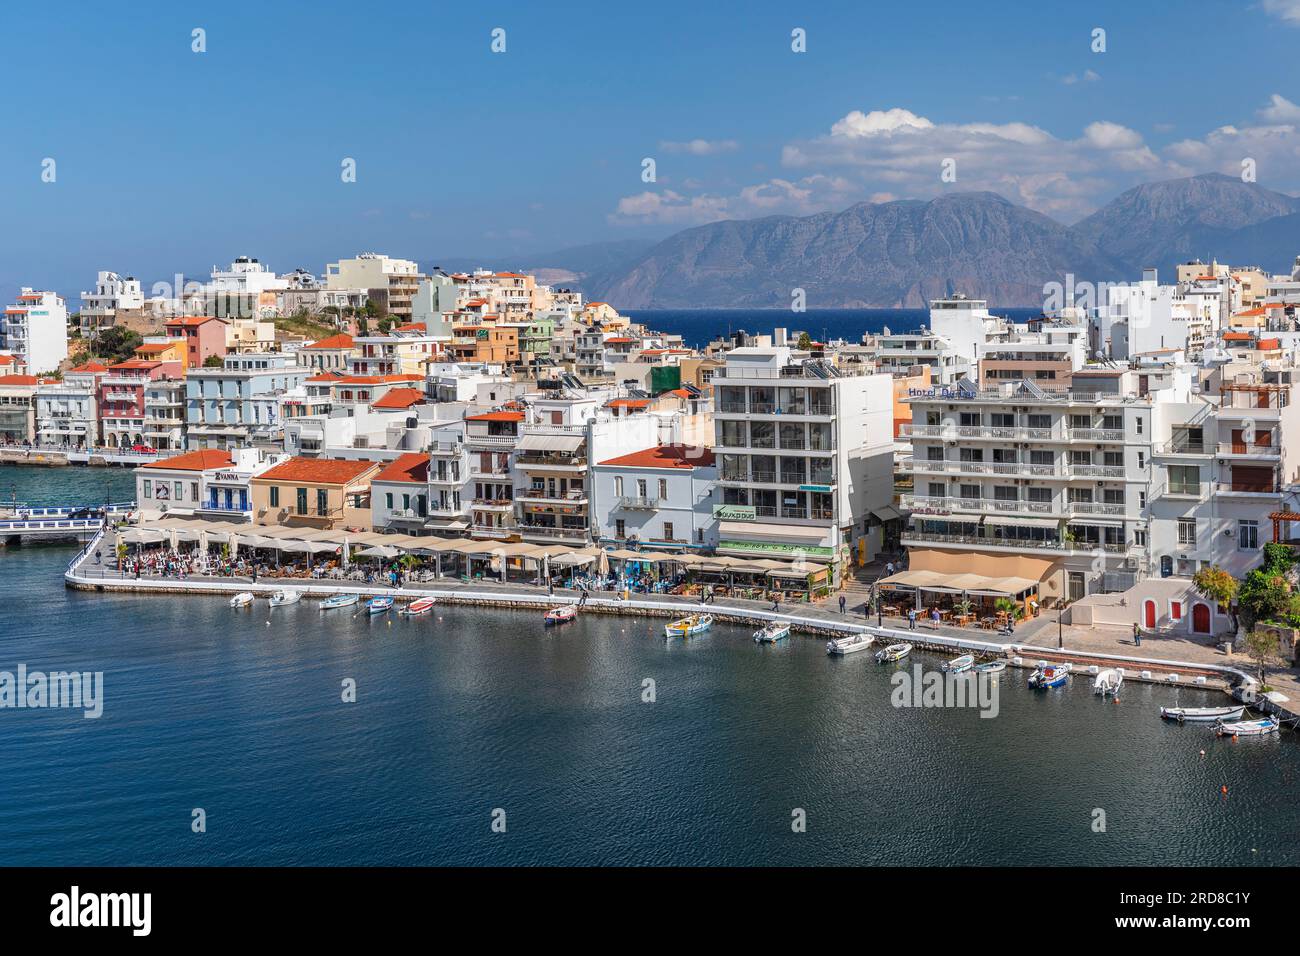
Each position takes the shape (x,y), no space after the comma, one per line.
(1201,618)
(1149,614)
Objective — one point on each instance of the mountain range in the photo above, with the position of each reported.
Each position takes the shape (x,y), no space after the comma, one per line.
(906,252)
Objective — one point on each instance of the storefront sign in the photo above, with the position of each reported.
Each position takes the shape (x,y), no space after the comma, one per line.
(735,512)
(824,489)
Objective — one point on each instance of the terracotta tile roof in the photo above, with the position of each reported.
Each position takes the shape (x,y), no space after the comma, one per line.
(193,461)
(1259,310)
(90,367)
(320,471)
(1268,345)
(326,377)
(340,341)
(157,347)
(496,417)
(18,380)
(378,379)
(8,360)
(193,320)
(629,403)
(400,398)
(1236,336)
(412,468)
(136,363)
(665,456)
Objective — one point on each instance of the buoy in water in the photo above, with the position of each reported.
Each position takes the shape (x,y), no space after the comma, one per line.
(1224,789)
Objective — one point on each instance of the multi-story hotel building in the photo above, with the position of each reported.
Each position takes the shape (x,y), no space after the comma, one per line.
(805,457)
(35,331)
(112,294)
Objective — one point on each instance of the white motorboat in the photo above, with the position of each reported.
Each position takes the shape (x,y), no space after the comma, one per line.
(1050,675)
(1108,682)
(284,598)
(1203,714)
(560,615)
(1247,728)
(242,599)
(689,626)
(339,600)
(894,652)
(959,665)
(772,632)
(991,667)
(419,606)
(849,645)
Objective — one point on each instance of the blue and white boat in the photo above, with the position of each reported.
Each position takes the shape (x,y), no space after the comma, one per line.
(959,665)
(772,632)
(893,653)
(991,667)
(1050,675)
(1247,728)
(339,600)
(379,605)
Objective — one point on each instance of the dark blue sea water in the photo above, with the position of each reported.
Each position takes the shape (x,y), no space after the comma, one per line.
(467,711)
(70,485)
(700,326)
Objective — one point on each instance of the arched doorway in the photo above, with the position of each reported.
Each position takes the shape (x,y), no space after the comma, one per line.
(1201,618)
(1149,615)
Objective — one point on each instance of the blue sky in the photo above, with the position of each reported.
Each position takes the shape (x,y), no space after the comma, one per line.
(171,161)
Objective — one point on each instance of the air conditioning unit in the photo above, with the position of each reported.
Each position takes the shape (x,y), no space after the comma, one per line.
(1131,564)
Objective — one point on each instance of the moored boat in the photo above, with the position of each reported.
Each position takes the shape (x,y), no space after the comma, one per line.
(1202,714)
(1049,675)
(1108,682)
(419,606)
(688,626)
(1247,728)
(894,652)
(959,665)
(849,645)
(991,667)
(283,598)
(772,632)
(242,599)
(379,605)
(561,615)
(339,600)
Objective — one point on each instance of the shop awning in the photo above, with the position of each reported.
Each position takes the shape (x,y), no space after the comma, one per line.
(1021,521)
(886,513)
(573,559)
(781,532)
(558,443)
(960,583)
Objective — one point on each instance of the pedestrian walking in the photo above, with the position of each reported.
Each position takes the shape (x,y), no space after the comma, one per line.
(1137,634)
(934,617)
(889,568)
(911,619)
(842,603)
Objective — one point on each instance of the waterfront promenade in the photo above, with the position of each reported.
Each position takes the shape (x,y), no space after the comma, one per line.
(94,569)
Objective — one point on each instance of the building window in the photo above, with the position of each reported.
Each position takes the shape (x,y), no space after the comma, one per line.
(275,496)
(302,501)
(620,529)
(668,531)
(618,488)
(1247,535)
(388,501)
(322,501)
(148,488)
(1187,532)
(663,488)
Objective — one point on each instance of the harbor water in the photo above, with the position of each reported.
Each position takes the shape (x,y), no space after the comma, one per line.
(467,716)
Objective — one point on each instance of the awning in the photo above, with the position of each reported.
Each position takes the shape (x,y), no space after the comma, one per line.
(1099,522)
(561,443)
(913,579)
(758,529)
(573,559)
(886,513)
(1020,521)
(379,551)
(961,583)
(142,536)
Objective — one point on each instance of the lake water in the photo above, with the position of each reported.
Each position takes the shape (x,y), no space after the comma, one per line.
(468,710)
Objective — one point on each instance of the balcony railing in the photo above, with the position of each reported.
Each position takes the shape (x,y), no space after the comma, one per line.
(539,530)
(636,503)
(1250,448)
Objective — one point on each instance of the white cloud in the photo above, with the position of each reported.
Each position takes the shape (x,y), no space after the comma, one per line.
(1087,76)
(1280,110)
(1287,11)
(895,153)
(701,147)
(877,122)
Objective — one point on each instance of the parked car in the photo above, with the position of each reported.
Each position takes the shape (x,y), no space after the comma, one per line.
(143,449)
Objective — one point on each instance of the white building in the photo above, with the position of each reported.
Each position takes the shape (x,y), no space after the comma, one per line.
(112,294)
(806,458)
(661,498)
(35,331)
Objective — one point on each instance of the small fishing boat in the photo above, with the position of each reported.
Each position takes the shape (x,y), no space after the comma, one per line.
(1049,675)
(339,600)
(1247,728)
(379,605)
(283,598)
(1202,714)
(894,652)
(849,645)
(561,615)
(991,667)
(242,599)
(772,632)
(1108,682)
(959,665)
(418,606)
(688,626)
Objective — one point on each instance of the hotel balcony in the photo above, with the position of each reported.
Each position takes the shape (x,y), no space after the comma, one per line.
(532,496)
(981,543)
(633,503)
(1248,489)
(564,463)
(496,442)
(493,504)
(1237,449)
(538,532)
(1180,448)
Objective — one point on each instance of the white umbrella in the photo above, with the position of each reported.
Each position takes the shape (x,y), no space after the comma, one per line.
(345,555)
(143,536)
(379,551)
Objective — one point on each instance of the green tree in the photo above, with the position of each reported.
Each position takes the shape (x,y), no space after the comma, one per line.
(1262,646)
(214,361)
(1265,595)
(1217,585)
(116,344)
(805,341)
